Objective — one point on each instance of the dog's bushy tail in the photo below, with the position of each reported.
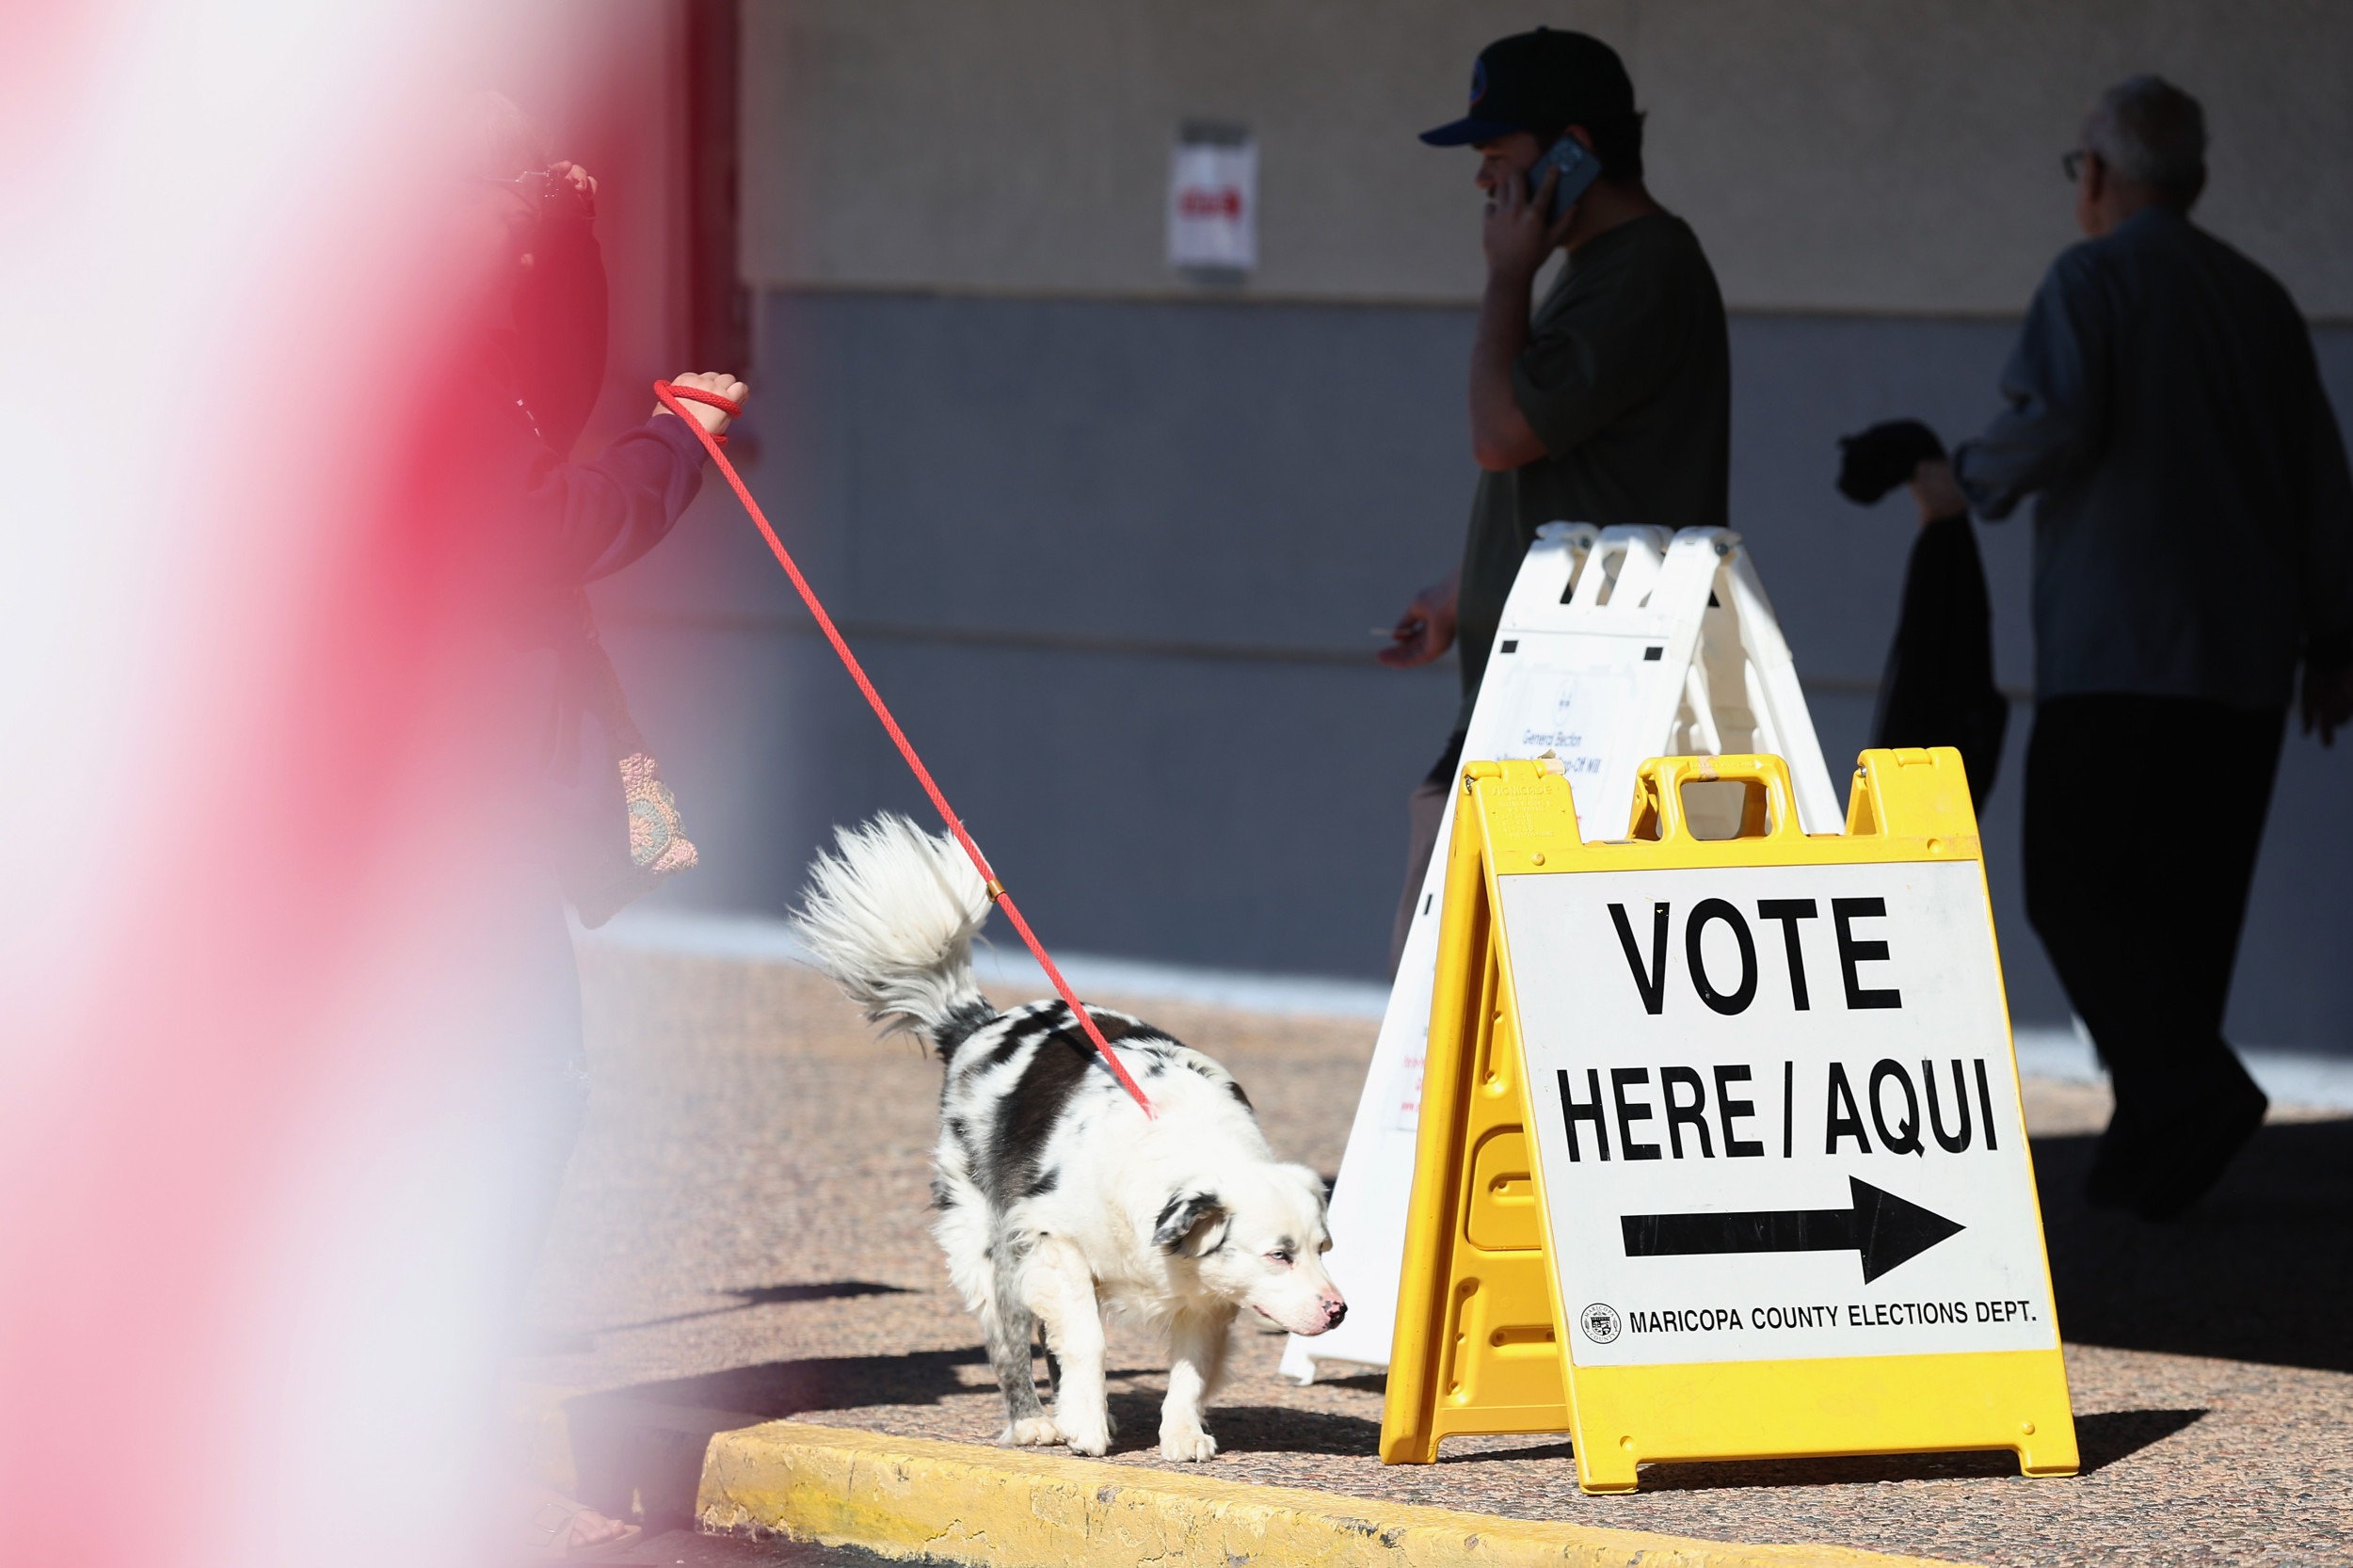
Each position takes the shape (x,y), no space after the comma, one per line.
(890,913)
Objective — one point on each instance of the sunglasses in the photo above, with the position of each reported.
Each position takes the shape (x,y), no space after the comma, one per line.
(535,185)
(2071,164)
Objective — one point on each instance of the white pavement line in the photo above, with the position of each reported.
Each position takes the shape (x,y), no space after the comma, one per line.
(761,938)
(2289,1076)
(2065,1054)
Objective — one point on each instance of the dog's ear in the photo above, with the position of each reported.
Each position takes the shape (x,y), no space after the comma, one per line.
(1190,1223)
(1316,1188)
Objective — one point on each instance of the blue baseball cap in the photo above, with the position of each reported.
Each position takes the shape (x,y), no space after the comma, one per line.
(1540,81)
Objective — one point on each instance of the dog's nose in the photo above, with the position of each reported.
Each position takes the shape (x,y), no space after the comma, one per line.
(1333,1310)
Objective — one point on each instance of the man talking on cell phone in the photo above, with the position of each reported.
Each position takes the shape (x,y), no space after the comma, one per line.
(1608,403)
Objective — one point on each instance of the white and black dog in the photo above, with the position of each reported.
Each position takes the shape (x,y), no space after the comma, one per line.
(1060,1201)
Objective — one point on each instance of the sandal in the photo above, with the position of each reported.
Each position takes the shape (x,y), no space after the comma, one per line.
(550,1534)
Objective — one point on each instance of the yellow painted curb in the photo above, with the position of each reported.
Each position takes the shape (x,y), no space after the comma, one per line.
(908,1497)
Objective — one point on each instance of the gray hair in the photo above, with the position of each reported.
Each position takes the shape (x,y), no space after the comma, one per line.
(2150,130)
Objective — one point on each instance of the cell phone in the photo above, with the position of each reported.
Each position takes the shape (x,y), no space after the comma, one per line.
(1578,169)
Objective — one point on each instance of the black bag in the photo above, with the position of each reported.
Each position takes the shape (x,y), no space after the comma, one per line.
(1938,689)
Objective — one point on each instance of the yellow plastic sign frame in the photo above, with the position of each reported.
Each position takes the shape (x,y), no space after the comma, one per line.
(1481,1342)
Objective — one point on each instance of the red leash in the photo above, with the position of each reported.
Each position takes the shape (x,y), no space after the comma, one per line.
(668,396)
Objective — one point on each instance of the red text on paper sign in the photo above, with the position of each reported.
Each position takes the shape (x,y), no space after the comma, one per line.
(1206,202)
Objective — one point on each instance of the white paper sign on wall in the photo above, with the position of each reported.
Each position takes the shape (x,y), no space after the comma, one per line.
(1213,201)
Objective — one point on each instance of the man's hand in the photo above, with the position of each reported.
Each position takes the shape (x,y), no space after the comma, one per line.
(1516,236)
(1937,491)
(582,182)
(1517,240)
(1426,630)
(2328,700)
(719,384)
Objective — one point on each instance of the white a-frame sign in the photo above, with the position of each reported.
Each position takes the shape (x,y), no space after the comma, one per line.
(1617,645)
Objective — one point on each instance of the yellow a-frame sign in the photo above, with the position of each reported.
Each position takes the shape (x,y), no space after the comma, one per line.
(1722,1151)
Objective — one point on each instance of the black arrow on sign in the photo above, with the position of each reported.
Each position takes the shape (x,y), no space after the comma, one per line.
(1885,1229)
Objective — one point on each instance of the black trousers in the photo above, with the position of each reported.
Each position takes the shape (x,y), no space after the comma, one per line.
(2137,880)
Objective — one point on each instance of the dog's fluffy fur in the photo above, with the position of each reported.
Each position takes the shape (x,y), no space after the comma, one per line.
(1059,1200)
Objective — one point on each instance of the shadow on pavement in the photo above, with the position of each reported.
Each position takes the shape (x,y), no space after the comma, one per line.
(2112,1435)
(1245,1429)
(2103,1438)
(649,1439)
(775,1390)
(1364,1382)
(768,1295)
(2258,1270)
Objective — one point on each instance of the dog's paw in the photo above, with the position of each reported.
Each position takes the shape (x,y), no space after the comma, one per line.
(1037,1432)
(1090,1437)
(1186,1442)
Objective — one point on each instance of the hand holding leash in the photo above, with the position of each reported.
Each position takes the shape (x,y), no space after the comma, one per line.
(718,399)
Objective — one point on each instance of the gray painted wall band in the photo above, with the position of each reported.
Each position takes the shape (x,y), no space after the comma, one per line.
(1107,561)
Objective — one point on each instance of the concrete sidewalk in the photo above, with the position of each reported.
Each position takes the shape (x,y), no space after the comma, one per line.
(743,1241)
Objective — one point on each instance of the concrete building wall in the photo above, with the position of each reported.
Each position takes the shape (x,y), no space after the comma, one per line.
(1113,543)
(1834,154)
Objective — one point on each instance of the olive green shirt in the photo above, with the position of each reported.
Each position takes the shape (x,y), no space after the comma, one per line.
(1627,379)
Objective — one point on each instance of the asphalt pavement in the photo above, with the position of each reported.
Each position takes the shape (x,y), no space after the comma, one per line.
(744,1239)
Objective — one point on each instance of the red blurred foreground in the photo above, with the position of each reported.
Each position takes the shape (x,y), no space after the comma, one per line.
(253,1146)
